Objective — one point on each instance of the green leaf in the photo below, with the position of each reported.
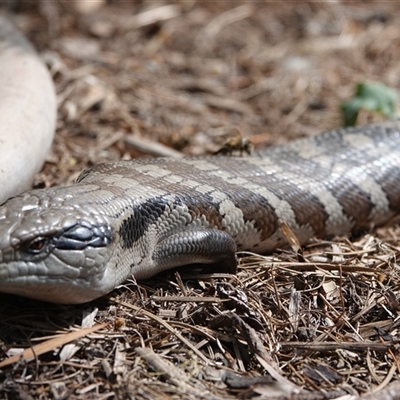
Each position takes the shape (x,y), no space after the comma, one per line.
(370,96)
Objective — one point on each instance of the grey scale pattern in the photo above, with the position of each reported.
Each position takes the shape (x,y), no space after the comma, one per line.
(73,244)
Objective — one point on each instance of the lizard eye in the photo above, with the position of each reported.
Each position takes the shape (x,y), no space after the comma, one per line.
(37,245)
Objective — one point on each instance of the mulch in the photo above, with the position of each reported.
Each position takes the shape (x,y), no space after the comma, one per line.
(140,79)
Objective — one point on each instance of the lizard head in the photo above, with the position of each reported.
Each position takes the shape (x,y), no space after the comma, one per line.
(53,249)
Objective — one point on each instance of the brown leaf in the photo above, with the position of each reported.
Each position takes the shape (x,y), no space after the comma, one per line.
(51,344)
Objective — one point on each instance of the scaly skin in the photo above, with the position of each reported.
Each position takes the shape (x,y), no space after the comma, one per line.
(73,244)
